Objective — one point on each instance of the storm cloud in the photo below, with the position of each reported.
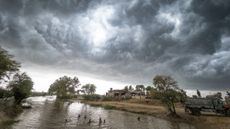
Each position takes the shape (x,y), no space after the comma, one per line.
(127,41)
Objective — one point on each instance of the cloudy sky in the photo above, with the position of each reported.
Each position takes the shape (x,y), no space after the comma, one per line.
(113,43)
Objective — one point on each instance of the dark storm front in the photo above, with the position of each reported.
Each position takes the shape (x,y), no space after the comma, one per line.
(47,113)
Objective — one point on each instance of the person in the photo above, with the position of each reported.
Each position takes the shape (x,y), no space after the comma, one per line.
(138,118)
(89,122)
(100,121)
(104,121)
(228,93)
(85,117)
(78,116)
(198,93)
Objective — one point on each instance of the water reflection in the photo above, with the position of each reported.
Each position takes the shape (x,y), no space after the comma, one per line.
(50,114)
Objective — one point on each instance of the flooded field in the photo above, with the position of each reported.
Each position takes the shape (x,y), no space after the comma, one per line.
(47,113)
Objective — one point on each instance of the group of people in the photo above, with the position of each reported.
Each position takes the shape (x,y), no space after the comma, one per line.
(99,121)
(90,121)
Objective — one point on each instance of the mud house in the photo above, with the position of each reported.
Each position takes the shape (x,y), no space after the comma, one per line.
(118,93)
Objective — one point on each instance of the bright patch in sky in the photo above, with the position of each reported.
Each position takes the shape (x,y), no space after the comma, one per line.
(172,19)
(96,25)
(43,78)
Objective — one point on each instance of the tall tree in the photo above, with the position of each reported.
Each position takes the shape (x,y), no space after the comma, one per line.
(148,90)
(89,88)
(126,88)
(168,89)
(21,86)
(198,93)
(7,65)
(140,87)
(131,88)
(64,86)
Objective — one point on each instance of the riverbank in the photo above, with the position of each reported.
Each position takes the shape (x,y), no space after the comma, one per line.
(8,114)
(156,109)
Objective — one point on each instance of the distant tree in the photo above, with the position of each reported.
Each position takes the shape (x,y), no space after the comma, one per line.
(5,93)
(89,89)
(198,93)
(21,86)
(131,88)
(64,87)
(7,65)
(168,90)
(126,88)
(148,89)
(140,87)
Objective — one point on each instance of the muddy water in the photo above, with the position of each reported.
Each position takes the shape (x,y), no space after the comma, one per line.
(50,114)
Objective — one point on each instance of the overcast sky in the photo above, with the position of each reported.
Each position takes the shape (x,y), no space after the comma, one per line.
(113,43)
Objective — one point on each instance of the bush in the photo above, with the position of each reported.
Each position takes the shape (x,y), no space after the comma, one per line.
(93,97)
(108,107)
(5,93)
(107,98)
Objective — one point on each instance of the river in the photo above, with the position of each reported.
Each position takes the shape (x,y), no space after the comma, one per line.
(50,114)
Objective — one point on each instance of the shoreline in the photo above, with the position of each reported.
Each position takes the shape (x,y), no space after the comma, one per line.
(205,121)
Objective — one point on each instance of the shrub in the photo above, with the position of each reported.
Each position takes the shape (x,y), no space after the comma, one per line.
(93,97)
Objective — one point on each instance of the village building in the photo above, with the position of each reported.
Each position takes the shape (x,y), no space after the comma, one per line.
(124,94)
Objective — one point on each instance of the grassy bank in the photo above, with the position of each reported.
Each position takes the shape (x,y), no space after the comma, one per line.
(7,115)
(156,109)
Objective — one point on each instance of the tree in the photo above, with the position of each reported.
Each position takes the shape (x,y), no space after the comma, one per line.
(126,88)
(64,87)
(131,88)
(148,89)
(7,65)
(168,90)
(20,86)
(198,93)
(89,88)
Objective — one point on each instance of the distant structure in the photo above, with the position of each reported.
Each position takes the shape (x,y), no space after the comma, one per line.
(124,94)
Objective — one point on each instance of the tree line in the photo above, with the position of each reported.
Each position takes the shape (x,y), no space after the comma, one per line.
(17,84)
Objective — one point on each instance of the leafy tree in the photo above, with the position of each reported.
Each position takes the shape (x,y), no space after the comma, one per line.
(4,93)
(20,86)
(89,89)
(140,88)
(7,65)
(198,93)
(148,89)
(168,90)
(126,88)
(131,88)
(64,87)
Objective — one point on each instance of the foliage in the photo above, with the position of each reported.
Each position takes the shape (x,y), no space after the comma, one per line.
(126,88)
(198,93)
(7,65)
(109,107)
(5,93)
(107,98)
(89,89)
(149,88)
(155,94)
(20,86)
(168,91)
(92,97)
(140,87)
(131,88)
(64,87)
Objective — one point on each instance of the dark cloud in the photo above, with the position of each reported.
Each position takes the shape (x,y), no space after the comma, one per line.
(129,41)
